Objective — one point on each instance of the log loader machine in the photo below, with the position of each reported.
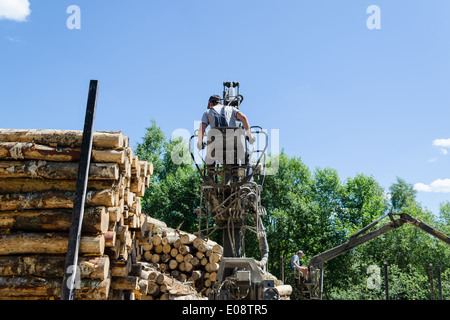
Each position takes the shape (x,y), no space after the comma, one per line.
(231,199)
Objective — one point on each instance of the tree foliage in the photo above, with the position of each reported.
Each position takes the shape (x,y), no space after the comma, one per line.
(173,193)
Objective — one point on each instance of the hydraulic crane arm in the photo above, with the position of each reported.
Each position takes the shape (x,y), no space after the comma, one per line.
(419,224)
(357,239)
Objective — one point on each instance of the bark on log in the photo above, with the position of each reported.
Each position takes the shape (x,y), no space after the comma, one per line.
(165,257)
(66,138)
(114,214)
(195,262)
(124,283)
(158,249)
(153,288)
(156,240)
(56,170)
(188,257)
(217,248)
(174,252)
(184,249)
(284,290)
(212,267)
(143,286)
(167,248)
(148,256)
(110,238)
(188,267)
(164,296)
(162,278)
(155,224)
(31,151)
(150,168)
(214,258)
(37,287)
(153,275)
(25,185)
(197,274)
(114,252)
(156,258)
(54,200)
(96,219)
(120,268)
(169,240)
(173,264)
(179,258)
(192,296)
(199,255)
(144,167)
(204,247)
(48,243)
(199,240)
(52,266)
(187,238)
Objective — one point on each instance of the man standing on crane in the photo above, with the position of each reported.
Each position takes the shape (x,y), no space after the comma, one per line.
(219,115)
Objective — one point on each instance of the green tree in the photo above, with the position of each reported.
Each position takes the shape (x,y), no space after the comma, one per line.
(286,197)
(152,148)
(401,194)
(363,200)
(173,193)
(444,214)
(327,192)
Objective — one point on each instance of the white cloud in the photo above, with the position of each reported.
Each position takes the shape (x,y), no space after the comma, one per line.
(422,187)
(443,143)
(17,10)
(439,185)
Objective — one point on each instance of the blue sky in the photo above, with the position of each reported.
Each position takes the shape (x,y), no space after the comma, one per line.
(359,100)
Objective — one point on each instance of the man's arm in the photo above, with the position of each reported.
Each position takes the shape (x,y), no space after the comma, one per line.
(240,116)
(201,133)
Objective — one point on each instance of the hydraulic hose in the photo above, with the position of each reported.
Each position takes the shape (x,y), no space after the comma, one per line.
(263,245)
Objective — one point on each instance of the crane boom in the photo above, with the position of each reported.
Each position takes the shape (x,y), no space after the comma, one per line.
(357,239)
(314,286)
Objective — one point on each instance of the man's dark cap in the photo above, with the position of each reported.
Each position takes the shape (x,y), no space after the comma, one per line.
(215,98)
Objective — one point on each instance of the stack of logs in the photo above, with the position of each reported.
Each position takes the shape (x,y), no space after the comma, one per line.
(123,253)
(179,256)
(38,172)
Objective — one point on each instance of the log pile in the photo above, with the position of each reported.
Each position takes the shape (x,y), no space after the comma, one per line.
(181,257)
(158,285)
(123,253)
(38,172)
